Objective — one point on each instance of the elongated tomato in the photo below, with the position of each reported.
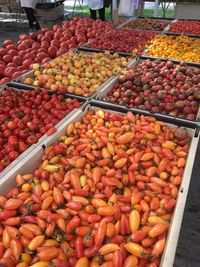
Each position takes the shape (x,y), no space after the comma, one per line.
(13,232)
(36,242)
(75,180)
(125,138)
(82,262)
(13,203)
(97,203)
(120,163)
(134,220)
(158,248)
(106,211)
(100,234)
(157,230)
(108,248)
(135,250)
(96,174)
(147,156)
(16,248)
(153,220)
(40,264)
(48,253)
(131,261)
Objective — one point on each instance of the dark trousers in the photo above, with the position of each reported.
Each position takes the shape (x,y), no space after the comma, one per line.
(101,11)
(33,23)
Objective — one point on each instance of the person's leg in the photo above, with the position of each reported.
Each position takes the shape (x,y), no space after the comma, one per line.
(102,13)
(28,14)
(33,23)
(93,14)
(36,23)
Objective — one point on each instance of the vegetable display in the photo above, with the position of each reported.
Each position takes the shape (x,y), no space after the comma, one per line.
(18,58)
(25,116)
(147,24)
(159,86)
(103,195)
(76,72)
(175,47)
(186,27)
(123,41)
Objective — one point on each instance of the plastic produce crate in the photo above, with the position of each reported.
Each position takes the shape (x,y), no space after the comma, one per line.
(128,23)
(167,29)
(145,52)
(19,81)
(83,102)
(32,160)
(104,92)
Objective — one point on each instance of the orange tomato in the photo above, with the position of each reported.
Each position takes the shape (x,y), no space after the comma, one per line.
(13,204)
(110,231)
(13,232)
(40,264)
(96,174)
(158,247)
(147,156)
(157,230)
(153,220)
(97,203)
(120,163)
(134,220)
(82,262)
(135,250)
(22,264)
(106,211)
(6,239)
(125,138)
(58,196)
(16,248)
(36,242)
(131,261)
(47,253)
(108,248)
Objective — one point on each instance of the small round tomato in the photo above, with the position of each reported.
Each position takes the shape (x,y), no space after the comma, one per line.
(13,155)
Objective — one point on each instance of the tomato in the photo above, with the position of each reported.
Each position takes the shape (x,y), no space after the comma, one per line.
(158,247)
(108,248)
(106,211)
(36,242)
(13,155)
(48,253)
(82,262)
(134,220)
(117,259)
(157,230)
(79,247)
(135,250)
(100,234)
(131,261)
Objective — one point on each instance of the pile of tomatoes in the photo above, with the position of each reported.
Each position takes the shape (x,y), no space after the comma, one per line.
(186,27)
(103,195)
(133,41)
(27,115)
(18,58)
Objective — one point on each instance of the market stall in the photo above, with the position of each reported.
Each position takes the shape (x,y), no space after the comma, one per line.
(99,132)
